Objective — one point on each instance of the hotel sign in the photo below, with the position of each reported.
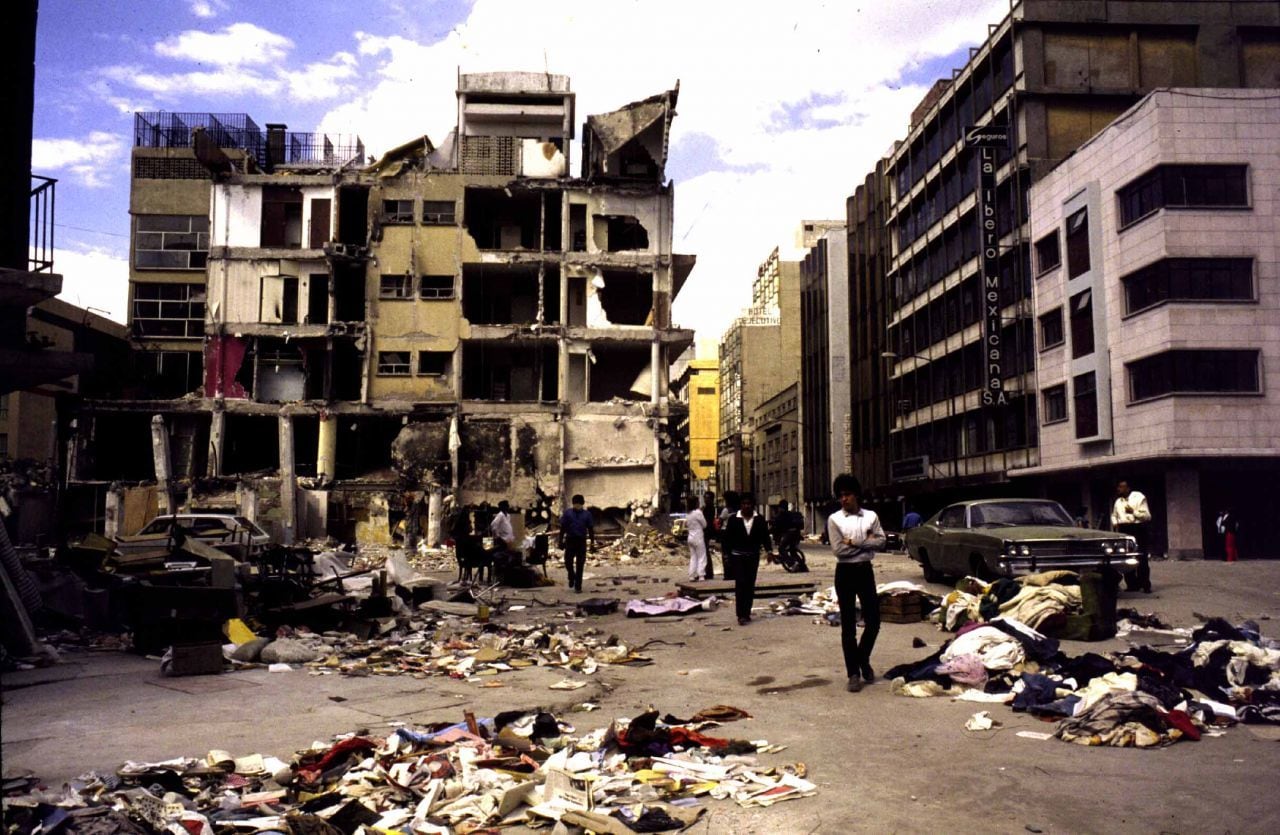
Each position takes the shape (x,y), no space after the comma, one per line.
(985,141)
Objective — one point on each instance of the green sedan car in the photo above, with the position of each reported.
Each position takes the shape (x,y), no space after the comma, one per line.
(992,538)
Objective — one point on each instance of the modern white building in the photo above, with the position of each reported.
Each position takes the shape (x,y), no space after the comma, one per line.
(1156,258)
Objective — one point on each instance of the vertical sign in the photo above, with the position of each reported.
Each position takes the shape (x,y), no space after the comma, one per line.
(986,140)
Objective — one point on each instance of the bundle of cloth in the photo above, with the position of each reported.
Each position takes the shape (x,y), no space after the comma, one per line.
(1042,601)
(1140,697)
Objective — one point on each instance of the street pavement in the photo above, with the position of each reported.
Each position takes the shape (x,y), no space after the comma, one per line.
(882,762)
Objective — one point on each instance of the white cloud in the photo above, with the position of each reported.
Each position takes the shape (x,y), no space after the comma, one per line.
(236,45)
(94,278)
(91,160)
(801,100)
(323,79)
(208,8)
(182,86)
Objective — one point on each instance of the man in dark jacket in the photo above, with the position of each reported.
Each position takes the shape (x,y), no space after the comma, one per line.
(744,535)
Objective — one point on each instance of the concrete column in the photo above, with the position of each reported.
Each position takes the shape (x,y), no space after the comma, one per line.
(288,481)
(113,511)
(217,436)
(1182,514)
(435,517)
(163,464)
(327,449)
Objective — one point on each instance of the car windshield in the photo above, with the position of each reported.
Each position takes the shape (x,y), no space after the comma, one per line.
(1009,514)
(253,529)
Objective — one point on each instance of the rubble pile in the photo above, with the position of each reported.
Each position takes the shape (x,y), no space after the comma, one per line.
(444,645)
(1141,697)
(641,544)
(520,767)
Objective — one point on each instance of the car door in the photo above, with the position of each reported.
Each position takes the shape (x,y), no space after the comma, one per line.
(951,530)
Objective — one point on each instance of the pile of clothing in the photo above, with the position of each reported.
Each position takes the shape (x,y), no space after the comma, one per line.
(641,775)
(1141,697)
(1059,603)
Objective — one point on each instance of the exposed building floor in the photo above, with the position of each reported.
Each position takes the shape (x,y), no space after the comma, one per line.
(882,762)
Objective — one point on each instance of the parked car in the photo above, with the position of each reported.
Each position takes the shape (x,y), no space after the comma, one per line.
(224,531)
(1005,537)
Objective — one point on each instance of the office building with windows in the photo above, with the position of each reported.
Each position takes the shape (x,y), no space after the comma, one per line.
(1157,302)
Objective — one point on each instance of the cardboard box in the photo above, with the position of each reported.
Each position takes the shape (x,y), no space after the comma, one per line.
(197,659)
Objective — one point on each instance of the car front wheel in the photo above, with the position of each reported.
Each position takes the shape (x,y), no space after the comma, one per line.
(978,568)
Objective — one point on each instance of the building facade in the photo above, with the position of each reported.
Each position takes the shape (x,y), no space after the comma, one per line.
(959,320)
(699,388)
(827,436)
(777,450)
(467,319)
(1157,300)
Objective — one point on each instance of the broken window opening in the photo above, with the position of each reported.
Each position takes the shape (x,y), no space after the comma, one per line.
(174,310)
(619,373)
(398,286)
(497,220)
(435,287)
(578,227)
(434,363)
(281,377)
(619,233)
(281,217)
(348,370)
(397,211)
(321,211)
(317,299)
(251,444)
(120,448)
(551,295)
(510,371)
(348,292)
(439,212)
(500,294)
(364,446)
(306,445)
(278,299)
(353,216)
(551,238)
(393,363)
(626,297)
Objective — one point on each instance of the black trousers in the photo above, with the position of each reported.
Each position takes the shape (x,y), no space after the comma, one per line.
(726,559)
(575,559)
(857,580)
(1140,577)
(745,569)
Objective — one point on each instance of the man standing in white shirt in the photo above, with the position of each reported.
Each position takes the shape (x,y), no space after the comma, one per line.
(855,535)
(1131,516)
(696,524)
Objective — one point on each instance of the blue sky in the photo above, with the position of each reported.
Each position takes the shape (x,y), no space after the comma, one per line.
(783,108)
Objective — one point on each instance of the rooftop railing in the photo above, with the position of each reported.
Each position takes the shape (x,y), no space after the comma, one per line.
(42,205)
(269,147)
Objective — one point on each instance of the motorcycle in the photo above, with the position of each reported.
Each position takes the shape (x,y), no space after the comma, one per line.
(790,557)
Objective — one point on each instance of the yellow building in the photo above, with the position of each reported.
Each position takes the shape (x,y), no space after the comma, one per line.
(704,419)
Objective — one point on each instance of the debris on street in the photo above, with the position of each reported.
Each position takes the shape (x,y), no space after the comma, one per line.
(520,767)
(1141,697)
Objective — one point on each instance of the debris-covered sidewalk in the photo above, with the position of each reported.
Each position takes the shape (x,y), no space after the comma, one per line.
(522,767)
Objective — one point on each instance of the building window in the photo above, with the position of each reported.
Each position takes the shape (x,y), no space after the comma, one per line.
(1055,404)
(434,363)
(4,445)
(396,287)
(1183,187)
(1078,243)
(1082,324)
(1048,255)
(168,310)
(4,407)
(436,287)
(397,211)
(1188,279)
(1194,372)
(393,363)
(1084,390)
(706,390)
(171,242)
(439,212)
(168,374)
(1051,334)
(706,462)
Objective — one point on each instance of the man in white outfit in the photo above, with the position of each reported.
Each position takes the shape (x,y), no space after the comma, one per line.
(1130,515)
(696,524)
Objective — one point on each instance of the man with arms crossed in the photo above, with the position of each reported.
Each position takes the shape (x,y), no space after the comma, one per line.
(855,535)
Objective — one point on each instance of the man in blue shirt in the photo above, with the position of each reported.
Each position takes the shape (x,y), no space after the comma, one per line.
(912,519)
(576,527)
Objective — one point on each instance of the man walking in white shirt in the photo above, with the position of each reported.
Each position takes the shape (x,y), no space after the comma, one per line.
(855,535)
(1131,516)
(696,525)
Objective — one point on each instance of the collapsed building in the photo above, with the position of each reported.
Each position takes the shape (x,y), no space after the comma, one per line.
(464,319)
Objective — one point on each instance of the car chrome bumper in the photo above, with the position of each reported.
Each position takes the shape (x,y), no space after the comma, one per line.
(1033,564)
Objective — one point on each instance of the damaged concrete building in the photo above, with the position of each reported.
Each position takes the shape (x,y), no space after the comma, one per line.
(462,319)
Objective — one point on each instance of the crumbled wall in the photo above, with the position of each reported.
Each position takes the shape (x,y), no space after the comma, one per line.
(420,454)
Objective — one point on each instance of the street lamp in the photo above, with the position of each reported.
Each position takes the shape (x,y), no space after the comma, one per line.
(892,355)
